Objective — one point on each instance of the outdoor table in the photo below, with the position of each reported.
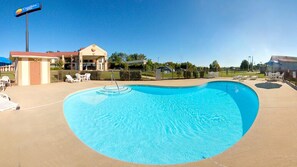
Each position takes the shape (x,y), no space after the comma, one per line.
(83,77)
(2,84)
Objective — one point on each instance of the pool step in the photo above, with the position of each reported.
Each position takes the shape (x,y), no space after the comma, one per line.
(113,90)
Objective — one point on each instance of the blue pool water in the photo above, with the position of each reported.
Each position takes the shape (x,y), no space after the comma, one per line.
(162,125)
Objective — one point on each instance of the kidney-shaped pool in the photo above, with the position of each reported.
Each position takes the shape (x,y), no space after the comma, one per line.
(163,125)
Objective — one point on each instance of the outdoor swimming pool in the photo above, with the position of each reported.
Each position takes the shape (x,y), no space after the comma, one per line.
(162,125)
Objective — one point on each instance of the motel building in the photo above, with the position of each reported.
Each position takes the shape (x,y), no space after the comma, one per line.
(33,68)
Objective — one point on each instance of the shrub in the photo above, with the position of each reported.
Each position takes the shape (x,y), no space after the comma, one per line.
(124,75)
(195,74)
(187,74)
(201,74)
(130,75)
(135,75)
(95,75)
(178,73)
(63,73)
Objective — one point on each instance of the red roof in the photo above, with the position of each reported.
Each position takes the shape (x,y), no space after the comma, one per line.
(40,54)
(284,58)
(66,54)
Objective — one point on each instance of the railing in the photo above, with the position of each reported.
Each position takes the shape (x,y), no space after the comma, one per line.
(113,79)
(7,68)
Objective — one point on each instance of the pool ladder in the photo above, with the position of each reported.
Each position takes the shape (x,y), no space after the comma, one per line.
(113,90)
(113,79)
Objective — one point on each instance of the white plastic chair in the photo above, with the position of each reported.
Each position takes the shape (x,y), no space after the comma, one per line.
(244,77)
(88,76)
(2,86)
(6,80)
(237,77)
(254,77)
(78,77)
(281,77)
(70,79)
(6,104)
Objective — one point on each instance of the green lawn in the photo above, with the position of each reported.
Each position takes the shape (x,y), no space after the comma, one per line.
(10,74)
(243,73)
(107,75)
(163,75)
(221,74)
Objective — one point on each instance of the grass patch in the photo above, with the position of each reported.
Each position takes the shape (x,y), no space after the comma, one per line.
(10,74)
(243,73)
(106,75)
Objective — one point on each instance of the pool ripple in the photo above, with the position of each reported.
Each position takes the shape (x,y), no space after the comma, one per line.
(161,125)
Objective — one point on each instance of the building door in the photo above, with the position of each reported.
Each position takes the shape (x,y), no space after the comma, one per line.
(35,77)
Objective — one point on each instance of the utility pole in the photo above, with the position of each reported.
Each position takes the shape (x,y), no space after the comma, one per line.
(252,62)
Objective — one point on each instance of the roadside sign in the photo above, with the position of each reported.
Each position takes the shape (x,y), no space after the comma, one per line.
(28,9)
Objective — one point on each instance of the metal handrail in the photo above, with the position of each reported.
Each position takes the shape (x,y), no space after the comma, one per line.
(113,79)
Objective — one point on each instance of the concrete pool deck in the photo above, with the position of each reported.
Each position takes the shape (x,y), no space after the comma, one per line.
(38,134)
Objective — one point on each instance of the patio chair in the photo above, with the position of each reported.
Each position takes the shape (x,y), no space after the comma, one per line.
(237,77)
(281,77)
(88,76)
(254,77)
(70,79)
(6,104)
(79,77)
(6,80)
(244,77)
(2,86)
(271,76)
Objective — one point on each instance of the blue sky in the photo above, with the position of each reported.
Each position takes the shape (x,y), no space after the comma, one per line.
(198,31)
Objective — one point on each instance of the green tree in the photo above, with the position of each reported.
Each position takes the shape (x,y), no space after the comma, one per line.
(244,65)
(117,58)
(136,56)
(178,73)
(177,66)
(187,66)
(149,65)
(214,66)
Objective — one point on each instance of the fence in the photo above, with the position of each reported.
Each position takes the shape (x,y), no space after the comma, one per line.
(7,68)
(174,75)
(60,75)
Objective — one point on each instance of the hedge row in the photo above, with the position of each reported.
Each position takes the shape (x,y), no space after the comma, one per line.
(130,75)
(60,75)
(188,74)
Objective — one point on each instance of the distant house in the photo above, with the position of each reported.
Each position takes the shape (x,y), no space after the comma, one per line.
(136,62)
(282,63)
(166,69)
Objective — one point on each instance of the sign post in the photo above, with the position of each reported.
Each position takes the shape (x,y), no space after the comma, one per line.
(25,11)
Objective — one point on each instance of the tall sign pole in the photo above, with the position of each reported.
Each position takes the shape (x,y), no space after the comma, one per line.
(27,33)
(25,11)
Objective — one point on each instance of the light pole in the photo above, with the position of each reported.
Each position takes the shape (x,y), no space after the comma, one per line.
(252,63)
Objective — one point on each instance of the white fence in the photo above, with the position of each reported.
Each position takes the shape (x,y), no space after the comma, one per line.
(7,68)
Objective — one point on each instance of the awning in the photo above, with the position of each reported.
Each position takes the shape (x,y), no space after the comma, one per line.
(272,62)
(5,61)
